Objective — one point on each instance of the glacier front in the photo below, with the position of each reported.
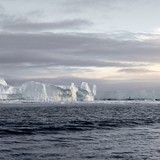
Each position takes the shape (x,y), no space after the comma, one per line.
(41,92)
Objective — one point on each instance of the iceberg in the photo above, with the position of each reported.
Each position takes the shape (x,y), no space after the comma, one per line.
(5,90)
(46,92)
(3,82)
(86,93)
(41,92)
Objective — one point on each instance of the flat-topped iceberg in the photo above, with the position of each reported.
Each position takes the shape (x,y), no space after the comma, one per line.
(47,92)
(41,92)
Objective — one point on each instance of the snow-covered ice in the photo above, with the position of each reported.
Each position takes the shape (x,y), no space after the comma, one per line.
(41,92)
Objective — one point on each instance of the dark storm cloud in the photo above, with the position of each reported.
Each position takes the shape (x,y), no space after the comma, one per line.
(45,26)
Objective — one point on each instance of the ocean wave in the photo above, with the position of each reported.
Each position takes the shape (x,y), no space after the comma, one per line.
(73,126)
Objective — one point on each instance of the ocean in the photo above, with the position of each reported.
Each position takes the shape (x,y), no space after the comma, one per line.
(80,131)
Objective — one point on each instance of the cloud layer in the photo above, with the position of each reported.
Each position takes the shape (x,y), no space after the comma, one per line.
(96,40)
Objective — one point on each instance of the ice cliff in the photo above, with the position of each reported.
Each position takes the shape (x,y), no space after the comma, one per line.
(86,93)
(40,92)
(6,91)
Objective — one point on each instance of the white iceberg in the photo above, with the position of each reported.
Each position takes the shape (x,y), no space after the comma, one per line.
(46,92)
(40,92)
(86,93)
(3,82)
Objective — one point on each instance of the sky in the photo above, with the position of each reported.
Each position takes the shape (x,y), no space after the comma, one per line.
(112,43)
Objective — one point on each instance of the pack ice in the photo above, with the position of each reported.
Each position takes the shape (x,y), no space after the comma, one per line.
(40,92)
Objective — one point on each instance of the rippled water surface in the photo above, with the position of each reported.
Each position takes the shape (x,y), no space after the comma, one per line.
(80,131)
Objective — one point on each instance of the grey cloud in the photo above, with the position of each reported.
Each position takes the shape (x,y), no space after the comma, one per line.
(136,70)
(104,3)
(74,49)
(26,55)
(28,22)
(6,18)
(38,61)
(107,6)
(45,26)
(2,9)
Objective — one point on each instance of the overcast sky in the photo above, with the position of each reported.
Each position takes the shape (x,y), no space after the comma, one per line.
(100,41)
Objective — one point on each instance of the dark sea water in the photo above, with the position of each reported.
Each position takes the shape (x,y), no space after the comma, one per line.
(96,131)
